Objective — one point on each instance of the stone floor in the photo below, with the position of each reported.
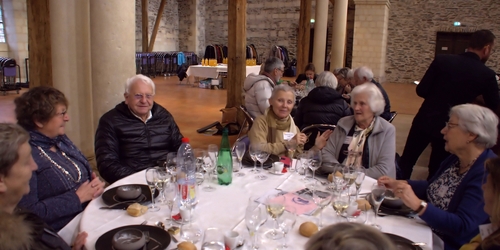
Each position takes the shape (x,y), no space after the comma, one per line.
(194,108)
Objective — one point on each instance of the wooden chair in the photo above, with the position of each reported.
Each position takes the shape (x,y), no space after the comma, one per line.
(393,115)
(248,119)
(312,130)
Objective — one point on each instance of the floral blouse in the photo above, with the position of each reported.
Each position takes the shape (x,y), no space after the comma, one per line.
(440,192)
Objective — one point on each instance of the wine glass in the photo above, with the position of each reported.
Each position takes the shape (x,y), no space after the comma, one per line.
(152,180)
(314,163)
(254,218)
(163,179)
(170,196)
(213,239)
(201,156)
(291,146)
(322,198)
(253,150)
(275,206)
(262,157)
(340,202)
(338,182)
(359,214)
(303,162)
(190,232)
(213,153)
(378,195)
(171,165)
(240,148)
(360,177)
(287,222)
(350,175)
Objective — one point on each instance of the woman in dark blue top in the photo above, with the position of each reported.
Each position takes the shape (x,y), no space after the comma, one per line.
(451,203)
(64,182)
(309,73)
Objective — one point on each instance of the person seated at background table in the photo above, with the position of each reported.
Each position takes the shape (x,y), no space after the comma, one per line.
(258,88)
(491,195)
(451,202)
(363,75)
(309,74)
(344,83)
(349,236)
(136,133)
(277,126)
(323,105)
(21,229)
(363,139)
(64,183)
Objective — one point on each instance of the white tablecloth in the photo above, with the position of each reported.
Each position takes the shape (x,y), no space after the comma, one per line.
(225,209)
(213,72)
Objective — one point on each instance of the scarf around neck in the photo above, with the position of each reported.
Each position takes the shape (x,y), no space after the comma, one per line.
(355,149)
(274,124)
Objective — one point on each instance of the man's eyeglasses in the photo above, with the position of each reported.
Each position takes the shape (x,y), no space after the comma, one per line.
(62,114)
(451,125)
(140,96)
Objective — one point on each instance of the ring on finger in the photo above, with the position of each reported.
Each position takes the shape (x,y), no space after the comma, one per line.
(400,190)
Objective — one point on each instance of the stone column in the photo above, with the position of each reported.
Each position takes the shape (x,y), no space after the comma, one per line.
(70,43)
(370,35)
(112,32)
(337,55)
(320,28)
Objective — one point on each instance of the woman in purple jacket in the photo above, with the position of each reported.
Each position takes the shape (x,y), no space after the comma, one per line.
(451,203)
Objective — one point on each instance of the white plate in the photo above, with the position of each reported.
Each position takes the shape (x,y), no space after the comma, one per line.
(275,173)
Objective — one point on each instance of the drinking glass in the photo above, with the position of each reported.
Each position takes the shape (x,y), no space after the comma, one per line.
(213,239)
(254,218)
(322,198)
(275,206)
(171,165)
(208,166)
(287,222)
(262,157)
(378,195)
(360,177)
(360,215)
(349,176)
(291,145)
(338,182)
(253,151)
(152,180)
(340,202)
(303,163)
(240,148)
(170,197)
(190,232)
(163,179)
(314,163)
(213,152)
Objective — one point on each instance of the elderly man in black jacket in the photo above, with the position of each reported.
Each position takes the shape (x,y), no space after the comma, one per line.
(450,80)
(136,133)
(365,74)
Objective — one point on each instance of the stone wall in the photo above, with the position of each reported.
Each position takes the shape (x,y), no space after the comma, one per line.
(16,32)
(167,38)
(413,26)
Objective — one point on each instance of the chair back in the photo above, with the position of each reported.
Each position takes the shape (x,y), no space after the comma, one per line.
(244,139)
(312,130)
(248,119)
(393,115)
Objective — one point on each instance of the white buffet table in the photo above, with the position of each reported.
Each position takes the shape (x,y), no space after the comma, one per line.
(213,71)
(225,209)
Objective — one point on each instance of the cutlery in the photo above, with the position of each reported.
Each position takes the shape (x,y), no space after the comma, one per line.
(146,235)
(119,205)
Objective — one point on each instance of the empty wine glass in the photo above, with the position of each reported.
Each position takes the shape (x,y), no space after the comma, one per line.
(360,177)
(163,180)
(378,196)
(253,151)
(291,146)
(262,157)
(322,198)
(314,163)
(287,222)
(303,163)
(349,176)
(170,197)
(190,232)
(171,165)
(213,152)
(213,239)
(338,182)
(275,206)
(254,218)
(240,148)
(152,181)
(209,169)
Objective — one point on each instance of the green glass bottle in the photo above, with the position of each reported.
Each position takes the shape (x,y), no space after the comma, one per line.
(225,161)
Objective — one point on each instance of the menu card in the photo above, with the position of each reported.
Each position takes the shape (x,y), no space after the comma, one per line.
(301,200)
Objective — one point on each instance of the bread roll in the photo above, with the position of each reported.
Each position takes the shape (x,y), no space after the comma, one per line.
(336,174)
(136,209)
(308,228)
(363,205)
(186,246)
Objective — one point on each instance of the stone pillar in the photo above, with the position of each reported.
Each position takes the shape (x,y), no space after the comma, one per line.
(71,67)
(337,55)
(192,26)
(370,35)
(112,29)
(320,30)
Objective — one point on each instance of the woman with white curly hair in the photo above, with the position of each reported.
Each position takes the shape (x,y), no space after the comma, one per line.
(451,202)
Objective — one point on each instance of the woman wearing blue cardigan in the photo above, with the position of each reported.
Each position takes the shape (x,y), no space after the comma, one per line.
(451,203)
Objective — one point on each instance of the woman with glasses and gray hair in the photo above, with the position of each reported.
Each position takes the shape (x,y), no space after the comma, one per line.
(363,139)
(64,182)
(451,202)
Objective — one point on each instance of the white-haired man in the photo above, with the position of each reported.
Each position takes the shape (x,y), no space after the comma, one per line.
(365,74)
(136,133)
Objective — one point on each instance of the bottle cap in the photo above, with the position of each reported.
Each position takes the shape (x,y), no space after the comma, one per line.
(185,140)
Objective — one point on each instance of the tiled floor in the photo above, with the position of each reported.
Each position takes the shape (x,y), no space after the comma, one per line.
(194,108)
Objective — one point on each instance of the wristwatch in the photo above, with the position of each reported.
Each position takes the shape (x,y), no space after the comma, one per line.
(423,205)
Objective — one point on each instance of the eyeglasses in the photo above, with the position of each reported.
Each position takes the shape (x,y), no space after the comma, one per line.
(62,114)
(282,70)
(451,125)
(140,96)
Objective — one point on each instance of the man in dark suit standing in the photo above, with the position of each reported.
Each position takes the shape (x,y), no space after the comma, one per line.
(450,80)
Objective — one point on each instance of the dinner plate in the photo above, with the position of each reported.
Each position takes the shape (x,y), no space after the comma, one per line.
(248,162)
(402,243)
(110,198)
(158,238)
(403,211)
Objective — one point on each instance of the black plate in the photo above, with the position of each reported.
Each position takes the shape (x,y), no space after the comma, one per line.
(403,211)
(248,162)
(159,238)
(402,243)
(110,198)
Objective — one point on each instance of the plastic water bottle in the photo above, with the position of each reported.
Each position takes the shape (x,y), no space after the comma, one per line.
(186,170)
(309,86)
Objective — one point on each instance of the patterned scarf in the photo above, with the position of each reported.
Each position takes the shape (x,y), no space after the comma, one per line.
(355,150)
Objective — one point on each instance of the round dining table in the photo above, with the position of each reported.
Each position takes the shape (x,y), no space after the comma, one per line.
(225,208)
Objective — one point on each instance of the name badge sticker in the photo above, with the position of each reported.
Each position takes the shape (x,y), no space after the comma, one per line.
(288,136)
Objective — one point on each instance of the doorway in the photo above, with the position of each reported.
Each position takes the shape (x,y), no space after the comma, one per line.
(451,42)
